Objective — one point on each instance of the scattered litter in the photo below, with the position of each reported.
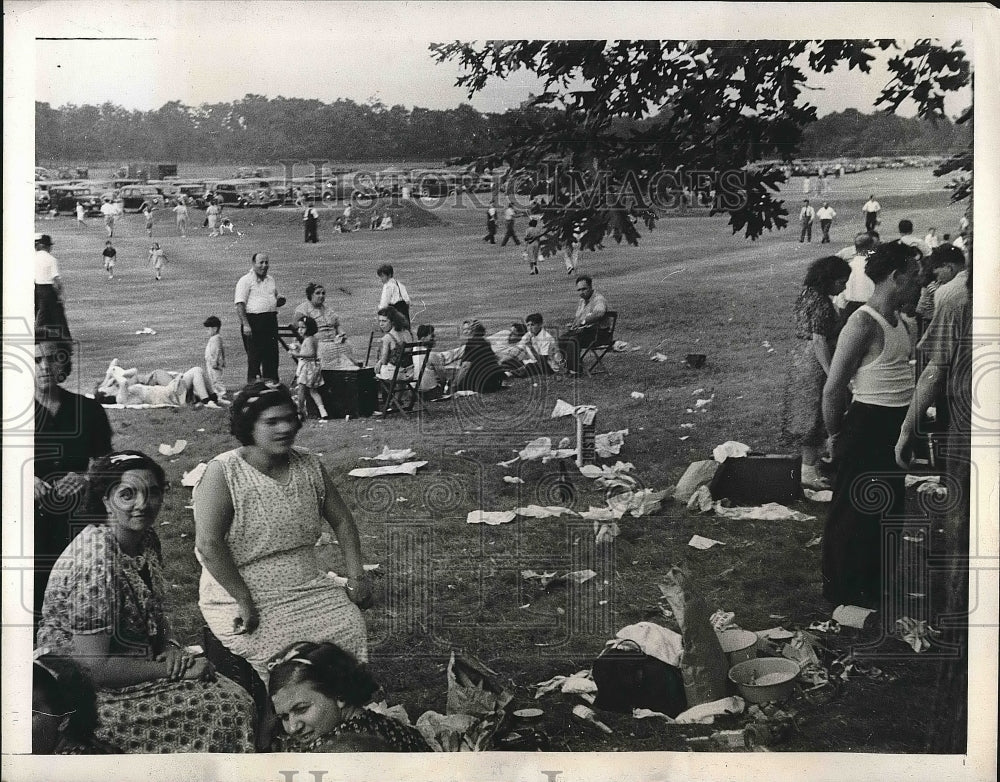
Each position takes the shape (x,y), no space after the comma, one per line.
(390,455)
(146,330)
(641,714)
(685,437)
(659,357)
(729,449)
(636,503)
(561,409)
(828,626)
(191,477)
(776,634)
(913,480)
(851,616)
(541,448)
(459,452)
(543,511)
(202,429)
(916,538)
(698,391)
(491,517)
(700,403)
(173,450)
(698,542)
(697,474)
(701,500)
(580,682)
(509,462)
(610,443)
(594,513)
(587,714)
(705,713)
(512,479)
(724,620)
(406,468)
(544,578)
(580,576)
(605,533)
(824,495)
(638,395)
(815,541)
(528,714)
(655,640)
(370,568)
(916,633)
(401,499)
(564,443)
(771,511)
(465,392)
(936,489)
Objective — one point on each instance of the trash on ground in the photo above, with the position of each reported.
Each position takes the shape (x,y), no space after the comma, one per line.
(771,511)
(916,633)
(406,468)
(509,462)
(698,542)
(192,476)
(637,503)
(814,542)
(610,443)
(659,357)
(928,487)
(578,684)
(543,511)
(655,640)
(697,474)
(512,479)
(701,500)
(528,714)
(146,330)
(637,395)
(705,713)
(390,455)
(913,480)
(728,449)
(544,578)
(541,448)
(641,714)
(580,576)
(827,626)
(823,495)
(491,517)
(605,533)
(851,616)
(173,450)
(599,514)
(587,714)
(687,426)
(472,687)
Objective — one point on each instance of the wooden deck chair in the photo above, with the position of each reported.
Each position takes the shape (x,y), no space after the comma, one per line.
(402,392)
(368,354)
(290,333)
(602,344)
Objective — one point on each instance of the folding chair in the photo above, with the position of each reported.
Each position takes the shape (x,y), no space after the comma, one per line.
(602,344)
(289,332)
(403,392)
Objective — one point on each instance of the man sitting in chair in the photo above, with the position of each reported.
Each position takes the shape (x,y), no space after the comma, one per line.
(591,317)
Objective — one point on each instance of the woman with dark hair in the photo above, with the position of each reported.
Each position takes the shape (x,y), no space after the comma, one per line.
(329,338)
(395,336)
(873,352)
(104,609)
(319,693)
(478,368)
(258,511)
(816,327)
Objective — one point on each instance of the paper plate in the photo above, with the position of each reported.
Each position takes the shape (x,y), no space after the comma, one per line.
(528,714)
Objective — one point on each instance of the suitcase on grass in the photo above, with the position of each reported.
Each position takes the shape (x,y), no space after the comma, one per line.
(756,479)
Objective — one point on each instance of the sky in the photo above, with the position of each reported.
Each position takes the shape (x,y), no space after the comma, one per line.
(208,52)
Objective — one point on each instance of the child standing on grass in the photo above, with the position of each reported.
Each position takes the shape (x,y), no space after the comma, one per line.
(147,213)
(215,356)
(157,259)
(109,254)
(308,376)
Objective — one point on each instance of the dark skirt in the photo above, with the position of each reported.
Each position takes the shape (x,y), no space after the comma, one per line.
(868,493)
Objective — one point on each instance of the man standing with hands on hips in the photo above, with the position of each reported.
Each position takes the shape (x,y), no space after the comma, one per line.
(257,303)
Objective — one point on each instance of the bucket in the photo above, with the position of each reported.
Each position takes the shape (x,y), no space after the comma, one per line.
(765,678)
(739,645)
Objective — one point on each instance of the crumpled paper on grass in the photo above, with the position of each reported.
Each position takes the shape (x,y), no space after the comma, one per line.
(637,503)
(705,713)
(192,476)
(913,480)
(655,640)
(659,357)
(512,479)
(851,616)
(406,468)
(579,682)
(544,578)
(491,517)
(697,474)
(771,511)
(541,448)
(702,544)
(390,455)
(610,443)
(472,687)
(605,533)
(543,511)
(823,495)
(173,450)
(916,633)
(728,449)
(701,500)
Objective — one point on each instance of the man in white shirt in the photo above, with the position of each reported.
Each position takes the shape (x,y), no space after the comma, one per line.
(906,237)
(257,303)
(806,216)
(541,347)
(394,293)
(110,212)
(508,222)
(870,210)
(825,214)
(859,285)
(49,311)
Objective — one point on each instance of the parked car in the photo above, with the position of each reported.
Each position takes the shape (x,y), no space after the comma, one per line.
(243,193)
(134,196)
(64,198)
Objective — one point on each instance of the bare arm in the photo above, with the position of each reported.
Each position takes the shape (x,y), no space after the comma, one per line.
(241,313)
(929,385)
(821,349)
(851,348)
(213,516)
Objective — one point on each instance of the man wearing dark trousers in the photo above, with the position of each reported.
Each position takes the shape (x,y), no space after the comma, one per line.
(591,316)
(257,303)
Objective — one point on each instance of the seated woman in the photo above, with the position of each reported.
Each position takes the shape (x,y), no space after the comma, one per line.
(103,608)
(395,335)
(430,379)
(507,344)
(478,369)
(319,693)
(386,222)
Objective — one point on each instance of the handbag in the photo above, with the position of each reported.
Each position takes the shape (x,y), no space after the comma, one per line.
(627,678)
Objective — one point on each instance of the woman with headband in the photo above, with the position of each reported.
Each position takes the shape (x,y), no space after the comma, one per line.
(258,511)
(103,609)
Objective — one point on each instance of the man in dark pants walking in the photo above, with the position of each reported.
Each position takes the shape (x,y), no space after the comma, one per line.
(508,220)
(257,303)
(491,224)
(310,219)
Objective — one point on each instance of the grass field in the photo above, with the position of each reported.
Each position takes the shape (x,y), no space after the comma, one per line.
(689,287)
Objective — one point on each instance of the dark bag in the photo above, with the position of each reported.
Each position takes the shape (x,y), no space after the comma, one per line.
(402,307)
(627,679)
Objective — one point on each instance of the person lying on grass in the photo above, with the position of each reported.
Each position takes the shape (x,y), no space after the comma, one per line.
(319,693)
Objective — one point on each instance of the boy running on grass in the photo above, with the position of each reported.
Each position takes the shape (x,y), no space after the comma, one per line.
(109,254)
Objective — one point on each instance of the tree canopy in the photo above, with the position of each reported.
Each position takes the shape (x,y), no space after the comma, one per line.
(706,109)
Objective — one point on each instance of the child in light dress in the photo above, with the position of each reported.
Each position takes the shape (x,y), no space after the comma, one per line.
(157,259)
(308,377)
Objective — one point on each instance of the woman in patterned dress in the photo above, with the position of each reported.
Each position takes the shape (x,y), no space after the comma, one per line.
(103,609)
(259,510)
(816,328)
(319,693)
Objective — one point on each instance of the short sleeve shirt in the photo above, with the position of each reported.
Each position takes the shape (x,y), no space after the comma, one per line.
(258,295)
(591,311)
(46,267)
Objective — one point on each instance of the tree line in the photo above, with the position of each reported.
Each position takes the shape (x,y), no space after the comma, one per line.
(259,129)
